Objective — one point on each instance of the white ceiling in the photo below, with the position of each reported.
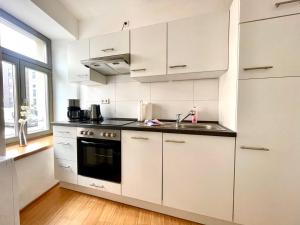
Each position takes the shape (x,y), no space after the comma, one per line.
(85,9)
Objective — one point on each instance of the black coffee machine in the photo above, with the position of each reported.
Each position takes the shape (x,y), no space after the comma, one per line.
(74,110)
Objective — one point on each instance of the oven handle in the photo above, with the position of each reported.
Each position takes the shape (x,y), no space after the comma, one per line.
(93,143)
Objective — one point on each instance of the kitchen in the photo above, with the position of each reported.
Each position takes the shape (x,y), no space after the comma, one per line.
(161,112)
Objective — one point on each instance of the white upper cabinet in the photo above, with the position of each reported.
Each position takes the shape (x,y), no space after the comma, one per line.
(77,72)
(198,174)
(262,9)
(110,44)
(77,51)
(270,48)
(198,44)
(149,51)
(142,165)
(268,157)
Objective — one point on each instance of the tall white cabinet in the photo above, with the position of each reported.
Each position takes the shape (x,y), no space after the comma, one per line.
(198,174)
(268,156)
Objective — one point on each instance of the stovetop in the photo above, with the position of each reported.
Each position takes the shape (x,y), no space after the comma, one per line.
(107,122)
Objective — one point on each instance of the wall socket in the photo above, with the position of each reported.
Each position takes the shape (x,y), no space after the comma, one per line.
(105,101)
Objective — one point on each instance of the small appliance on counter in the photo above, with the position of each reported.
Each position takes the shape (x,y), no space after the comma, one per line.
(85,115)
(96,113)
(74,110)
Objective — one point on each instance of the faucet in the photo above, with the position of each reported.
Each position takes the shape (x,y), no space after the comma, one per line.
(178,120)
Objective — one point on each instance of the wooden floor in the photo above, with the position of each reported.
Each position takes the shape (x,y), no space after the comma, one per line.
(65,207)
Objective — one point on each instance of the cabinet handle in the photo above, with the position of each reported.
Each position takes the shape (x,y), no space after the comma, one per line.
(140,138)
(285,2)
(174,141)
(96,186)
(107,49)
(137,70)
(258,68)
(82,75)
(64,132)
(62,143)
(177,66)
(66,167)
(255,148)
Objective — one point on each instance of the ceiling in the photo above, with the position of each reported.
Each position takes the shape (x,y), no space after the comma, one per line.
(86,9)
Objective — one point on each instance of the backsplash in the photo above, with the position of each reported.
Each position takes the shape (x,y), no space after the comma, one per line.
(168,98)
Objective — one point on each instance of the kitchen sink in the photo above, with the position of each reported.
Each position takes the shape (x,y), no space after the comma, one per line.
(211,127)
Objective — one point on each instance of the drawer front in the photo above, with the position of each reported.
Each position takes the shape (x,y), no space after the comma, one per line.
(65,148)
(65,170)
(66,132)
(262,9)
(100,185)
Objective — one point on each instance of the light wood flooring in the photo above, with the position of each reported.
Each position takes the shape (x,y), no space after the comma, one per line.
(60,206)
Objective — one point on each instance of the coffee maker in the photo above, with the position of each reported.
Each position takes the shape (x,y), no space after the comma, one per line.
(74,110)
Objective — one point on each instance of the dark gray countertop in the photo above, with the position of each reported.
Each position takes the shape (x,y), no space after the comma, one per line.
(138,126)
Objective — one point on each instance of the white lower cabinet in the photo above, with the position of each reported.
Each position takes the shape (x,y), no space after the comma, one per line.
(100,185)
(198,174)
(268,152)
(65,170)
(142,165)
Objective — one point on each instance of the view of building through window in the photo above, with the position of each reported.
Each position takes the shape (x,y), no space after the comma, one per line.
(9,100)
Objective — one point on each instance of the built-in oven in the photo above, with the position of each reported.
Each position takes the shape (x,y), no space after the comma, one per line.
(99,154)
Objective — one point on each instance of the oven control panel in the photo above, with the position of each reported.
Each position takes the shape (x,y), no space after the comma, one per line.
(108,134)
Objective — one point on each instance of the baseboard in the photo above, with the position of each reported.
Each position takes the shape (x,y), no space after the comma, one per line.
(205,220)
(39,197)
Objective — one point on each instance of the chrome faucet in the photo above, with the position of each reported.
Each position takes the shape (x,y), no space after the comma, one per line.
(178,120)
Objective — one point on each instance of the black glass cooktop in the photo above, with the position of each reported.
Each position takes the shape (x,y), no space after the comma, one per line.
(108,122)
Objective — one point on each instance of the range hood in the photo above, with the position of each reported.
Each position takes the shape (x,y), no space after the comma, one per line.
(109,65)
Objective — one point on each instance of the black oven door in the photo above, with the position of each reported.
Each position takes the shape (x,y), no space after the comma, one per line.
(100,159)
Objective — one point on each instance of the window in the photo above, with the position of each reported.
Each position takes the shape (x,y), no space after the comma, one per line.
(20,41)
(26,74)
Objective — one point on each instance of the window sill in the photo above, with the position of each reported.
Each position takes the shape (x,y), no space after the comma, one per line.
(33,147)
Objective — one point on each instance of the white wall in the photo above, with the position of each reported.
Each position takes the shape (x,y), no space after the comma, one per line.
(35,176)
(228,82)
(169,98)
(62,88)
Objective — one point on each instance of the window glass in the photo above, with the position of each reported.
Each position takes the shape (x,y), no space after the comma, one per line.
(37,97)
(20,41)
(9,98)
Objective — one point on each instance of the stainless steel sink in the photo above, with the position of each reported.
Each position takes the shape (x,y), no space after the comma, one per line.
(200,126)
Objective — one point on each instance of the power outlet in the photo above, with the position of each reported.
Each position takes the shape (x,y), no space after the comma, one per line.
(105,101)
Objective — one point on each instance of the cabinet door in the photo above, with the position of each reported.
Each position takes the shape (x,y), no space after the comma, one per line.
(142,165)
(77,51)
(262,9)
(268,182)
(198,174)
(270,48)
(65,170)
(149,51)
(198,44)
(110,44)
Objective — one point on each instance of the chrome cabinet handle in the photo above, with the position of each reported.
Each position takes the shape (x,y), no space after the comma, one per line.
(82,75)
(177,66)
(258,68)
(96,186)
(285,2)
(64,132)
(107,49)
(140,138)
(174,141)
(137,70)
(66,167)
(62,143)
(255,148)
